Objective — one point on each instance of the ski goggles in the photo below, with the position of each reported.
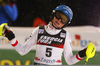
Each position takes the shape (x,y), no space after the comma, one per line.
(64,18)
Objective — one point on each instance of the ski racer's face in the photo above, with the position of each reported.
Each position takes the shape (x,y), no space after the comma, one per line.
(57,23)
(59,20)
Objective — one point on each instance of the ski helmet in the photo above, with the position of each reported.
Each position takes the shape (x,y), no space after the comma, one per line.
(66,10)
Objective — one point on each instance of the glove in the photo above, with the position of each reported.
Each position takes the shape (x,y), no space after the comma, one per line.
(6,31)
(89,52)
(82,53)
(4,2)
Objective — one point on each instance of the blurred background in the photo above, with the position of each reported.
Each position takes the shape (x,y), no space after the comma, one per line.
(86,12)
(85,27)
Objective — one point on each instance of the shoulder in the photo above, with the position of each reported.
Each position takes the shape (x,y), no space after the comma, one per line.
(63,30)
(68,36)
(35,30)
(67,33)
(41,27)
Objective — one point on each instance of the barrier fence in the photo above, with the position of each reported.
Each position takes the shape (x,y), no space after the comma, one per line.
(80,36)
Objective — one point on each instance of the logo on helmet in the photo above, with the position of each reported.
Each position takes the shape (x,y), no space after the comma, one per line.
(67,10)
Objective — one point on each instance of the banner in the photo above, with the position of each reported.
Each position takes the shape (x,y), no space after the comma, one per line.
(12,57)
(80,36)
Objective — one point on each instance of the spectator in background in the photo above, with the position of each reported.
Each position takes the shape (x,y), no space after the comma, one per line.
(8,11)
(38,22)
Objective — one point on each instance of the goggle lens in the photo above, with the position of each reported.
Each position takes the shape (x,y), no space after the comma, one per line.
(63,17)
